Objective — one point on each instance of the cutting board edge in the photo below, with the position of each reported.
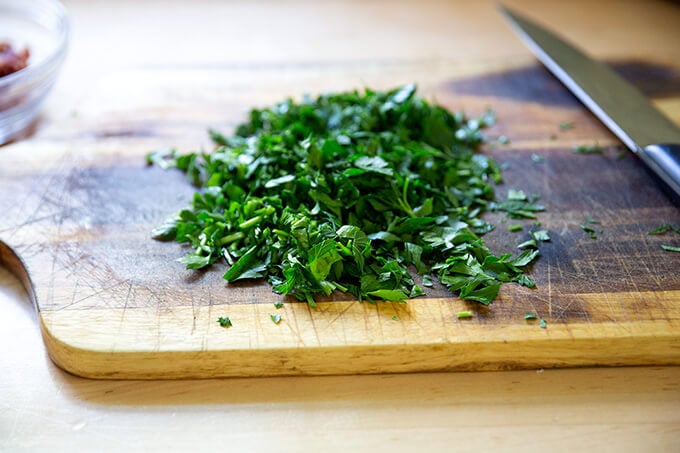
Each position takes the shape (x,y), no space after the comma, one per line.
(11,260)
(652,349)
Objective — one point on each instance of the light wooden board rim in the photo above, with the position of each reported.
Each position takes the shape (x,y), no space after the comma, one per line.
(147,342)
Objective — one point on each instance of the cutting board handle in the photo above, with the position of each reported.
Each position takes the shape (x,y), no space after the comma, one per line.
(10,260)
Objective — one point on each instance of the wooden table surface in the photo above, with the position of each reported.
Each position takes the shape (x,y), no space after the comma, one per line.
(609,409)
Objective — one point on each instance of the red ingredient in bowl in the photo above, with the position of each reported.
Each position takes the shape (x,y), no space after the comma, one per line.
(11,60)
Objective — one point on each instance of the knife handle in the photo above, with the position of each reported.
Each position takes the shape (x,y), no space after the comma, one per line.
(664,160)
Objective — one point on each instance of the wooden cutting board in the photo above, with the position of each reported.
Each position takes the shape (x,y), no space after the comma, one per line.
(78,204)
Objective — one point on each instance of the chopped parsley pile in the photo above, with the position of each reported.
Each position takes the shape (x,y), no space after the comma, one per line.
(348,192)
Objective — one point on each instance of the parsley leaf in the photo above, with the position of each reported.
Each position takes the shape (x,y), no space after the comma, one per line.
(591,231)
(536,237)
(525,280)
(589,149)
(224,321)
(664,228)
(537,158)
(518,205)
(541,235)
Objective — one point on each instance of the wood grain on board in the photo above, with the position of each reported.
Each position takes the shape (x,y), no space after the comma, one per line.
(78,205)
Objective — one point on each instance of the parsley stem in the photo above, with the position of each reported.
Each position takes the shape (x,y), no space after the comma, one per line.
(231,238)
(250,222)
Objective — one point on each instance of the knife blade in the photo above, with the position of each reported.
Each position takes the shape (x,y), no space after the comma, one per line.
(618,104)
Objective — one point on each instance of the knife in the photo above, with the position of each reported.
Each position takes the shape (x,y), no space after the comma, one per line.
(618,104)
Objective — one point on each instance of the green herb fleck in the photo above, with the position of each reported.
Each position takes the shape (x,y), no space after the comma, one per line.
(670,248)
(518,205)
(464,314)
(543,323)
(275,318)
(565,126)
(395,318)
(503,140)
(346,192)
(553,137)
(529,316)
(590,220)
(513,228)
(224,321)
(537,158)
(525,280)
(589,149)
(541,235)
(278,305)
(163,158)
(536,237)
(530,243)
(591,231)
(664,228)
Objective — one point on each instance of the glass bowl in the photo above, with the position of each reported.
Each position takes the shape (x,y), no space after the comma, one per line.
(42,27)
